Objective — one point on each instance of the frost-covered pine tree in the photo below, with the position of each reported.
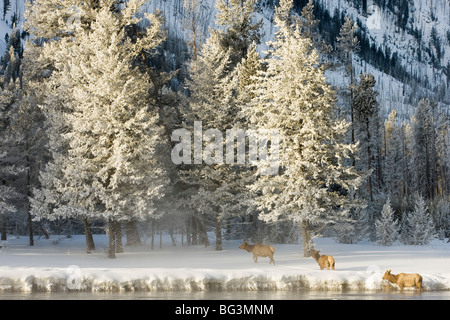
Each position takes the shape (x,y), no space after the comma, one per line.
(10,160)
(420,227)
(387,229)
(237,27)
(21,129)
(347,45)
(443,152)
(423,159)
(49,20)
(213,104)
(365,123)
(309,27)
(248,68)
(441,217)
(393,160)
(293,97)
(216,92)
(113,132)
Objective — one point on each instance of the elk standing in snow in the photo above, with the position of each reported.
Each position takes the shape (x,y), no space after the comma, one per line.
(404,279)
(259,250)
(323,260)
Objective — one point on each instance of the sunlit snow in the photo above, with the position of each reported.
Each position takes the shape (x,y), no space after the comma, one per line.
(61,264)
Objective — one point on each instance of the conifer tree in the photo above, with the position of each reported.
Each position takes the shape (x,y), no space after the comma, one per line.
(347,46)
(443,153)
(47,21)
(392,157)
(236,17)
(386,226)
(309,27)
(218,88)
(213,104)
(293,97)
(419,224)
(366,115)
(24,125)
(424,149)
(10,161)
(6,7)
(249,68)
(113,130)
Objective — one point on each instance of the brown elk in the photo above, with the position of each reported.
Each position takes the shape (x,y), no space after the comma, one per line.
(259,250)
(404,279)
(324,261)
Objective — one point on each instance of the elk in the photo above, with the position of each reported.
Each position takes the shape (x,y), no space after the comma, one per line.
(404,279)
(324,261)
(259,250)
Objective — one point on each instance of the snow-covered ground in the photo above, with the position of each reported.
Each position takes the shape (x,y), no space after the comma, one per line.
(61,264)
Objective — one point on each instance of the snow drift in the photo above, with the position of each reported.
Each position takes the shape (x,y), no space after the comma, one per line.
(61,265)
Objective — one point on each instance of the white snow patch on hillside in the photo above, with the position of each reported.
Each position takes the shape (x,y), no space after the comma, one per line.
(60,264)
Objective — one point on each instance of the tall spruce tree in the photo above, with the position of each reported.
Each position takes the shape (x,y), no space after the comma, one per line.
(347,46)
(393,157)
(420,228)
(47,21)
(293,97)
(386,226)
(218,87)
(213,105)
(443,153)
(366,116)
(112,123)
(424,149)
(11,163)
(237,28)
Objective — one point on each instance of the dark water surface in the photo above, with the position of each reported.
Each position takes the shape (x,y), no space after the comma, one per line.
(229,295)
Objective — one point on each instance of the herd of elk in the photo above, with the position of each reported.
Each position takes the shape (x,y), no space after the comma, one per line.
(327,262)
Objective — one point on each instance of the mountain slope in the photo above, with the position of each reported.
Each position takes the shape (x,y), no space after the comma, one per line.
(405,44)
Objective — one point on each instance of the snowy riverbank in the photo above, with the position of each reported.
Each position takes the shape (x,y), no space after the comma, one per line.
(60,264)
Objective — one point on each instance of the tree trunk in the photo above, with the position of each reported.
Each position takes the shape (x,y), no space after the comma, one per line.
(29,193)
(153,235)
(194,228)
(203,234)
(218,232)
(89,238)
(3,228)
(46,235)
(118,230)
(369,158)
(352,108)
(174,243)
(112,239)
(188,231)
(132,233)
(308,245)
(30,228)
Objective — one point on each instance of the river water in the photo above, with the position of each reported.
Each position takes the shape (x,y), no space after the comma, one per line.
(229,295)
